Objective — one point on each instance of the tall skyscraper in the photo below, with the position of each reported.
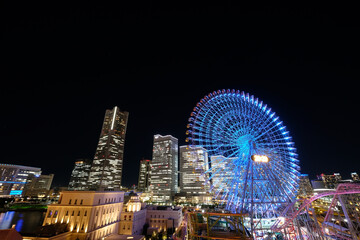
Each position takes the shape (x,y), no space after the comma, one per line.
(106,169)
(193,165)
(144,175)
(164,168)
(80,175)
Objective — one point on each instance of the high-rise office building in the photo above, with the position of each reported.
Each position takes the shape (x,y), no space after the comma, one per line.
(80,175)
(106,169)
(222,176)
(164,168)
(193,167)
(144,175)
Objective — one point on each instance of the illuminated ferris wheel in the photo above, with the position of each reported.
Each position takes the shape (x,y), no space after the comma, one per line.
(253,165)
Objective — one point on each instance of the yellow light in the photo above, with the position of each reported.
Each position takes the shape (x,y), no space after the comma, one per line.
(260,158)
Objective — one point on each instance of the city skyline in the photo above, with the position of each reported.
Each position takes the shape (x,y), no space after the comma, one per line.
(157,61)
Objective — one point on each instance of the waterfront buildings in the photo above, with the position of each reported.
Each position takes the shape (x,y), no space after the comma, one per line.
(38,186)
(14,177)
(106,169)
(164,168)
(193,165)
(144,175)
(80,175)
(90,215)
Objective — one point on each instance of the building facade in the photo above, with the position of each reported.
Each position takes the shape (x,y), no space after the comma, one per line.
(80,175)
(144,175)
(221,168)
(106,169)
(133,217)
(164,169)
(163,218)
(330,181)
(38,186)
(193,166)
(305,188)
(14,177)
(89,215)
(355,177)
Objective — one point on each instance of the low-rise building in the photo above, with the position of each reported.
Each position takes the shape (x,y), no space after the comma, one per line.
(163,218)
(133,217)
(14,177)
(90,215)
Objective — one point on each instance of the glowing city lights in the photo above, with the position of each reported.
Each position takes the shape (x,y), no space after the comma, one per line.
(260,158)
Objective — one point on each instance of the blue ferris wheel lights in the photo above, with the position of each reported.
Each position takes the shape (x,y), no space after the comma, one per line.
(238,129)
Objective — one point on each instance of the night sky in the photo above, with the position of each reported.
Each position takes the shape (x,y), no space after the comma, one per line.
(66,63)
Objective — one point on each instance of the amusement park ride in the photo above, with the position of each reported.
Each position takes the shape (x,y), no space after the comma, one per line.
(260,194)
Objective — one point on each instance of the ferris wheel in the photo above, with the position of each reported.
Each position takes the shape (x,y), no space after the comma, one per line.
(253,166)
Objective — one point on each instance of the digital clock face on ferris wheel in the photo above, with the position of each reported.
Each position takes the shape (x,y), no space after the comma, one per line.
(253,165)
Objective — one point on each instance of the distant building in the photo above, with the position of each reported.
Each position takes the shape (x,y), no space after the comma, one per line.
(330,181)
(222,174)
(38,186)
(14,177)
(305,188)
(164,168)
(317,184)
(106,169)
(144,175)
(90,215)
(80,175)
(355,177)
(133,217)
(193,166)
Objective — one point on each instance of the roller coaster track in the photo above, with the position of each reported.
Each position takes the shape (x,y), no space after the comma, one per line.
(290,213)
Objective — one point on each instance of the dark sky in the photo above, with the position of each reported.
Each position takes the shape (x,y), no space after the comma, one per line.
(66,63)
